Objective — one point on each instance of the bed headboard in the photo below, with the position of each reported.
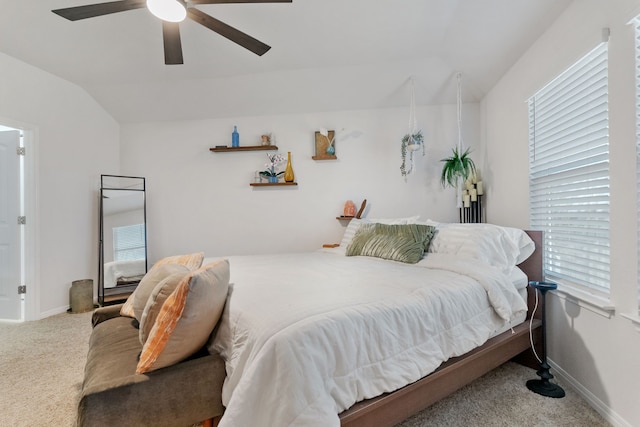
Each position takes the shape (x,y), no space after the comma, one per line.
(532,266)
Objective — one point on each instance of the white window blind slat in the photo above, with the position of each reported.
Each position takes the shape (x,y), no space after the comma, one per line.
(565,108)
(569,172)
(129,243)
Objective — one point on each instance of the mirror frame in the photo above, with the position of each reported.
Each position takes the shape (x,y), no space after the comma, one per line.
(123,183)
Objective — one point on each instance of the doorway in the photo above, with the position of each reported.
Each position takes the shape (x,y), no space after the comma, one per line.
(12,230)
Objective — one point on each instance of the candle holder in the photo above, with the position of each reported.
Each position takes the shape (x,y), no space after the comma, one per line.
(472,208)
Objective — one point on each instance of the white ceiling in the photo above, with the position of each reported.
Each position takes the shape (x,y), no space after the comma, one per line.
(326,54)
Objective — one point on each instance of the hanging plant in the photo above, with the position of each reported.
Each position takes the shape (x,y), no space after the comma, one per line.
(410,143)
(413,140)
(457,168)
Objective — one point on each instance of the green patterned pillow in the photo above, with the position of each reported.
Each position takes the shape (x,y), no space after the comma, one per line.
(419,232)
(404,243)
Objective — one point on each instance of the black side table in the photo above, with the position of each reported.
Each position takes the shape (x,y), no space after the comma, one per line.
(543,386)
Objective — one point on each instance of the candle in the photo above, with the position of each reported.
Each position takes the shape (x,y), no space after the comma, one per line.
(467,201)
(474,195)
(479,188)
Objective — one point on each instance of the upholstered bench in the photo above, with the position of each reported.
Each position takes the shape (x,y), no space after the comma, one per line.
(182,394)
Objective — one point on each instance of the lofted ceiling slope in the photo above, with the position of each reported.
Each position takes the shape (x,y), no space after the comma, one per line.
(326,55)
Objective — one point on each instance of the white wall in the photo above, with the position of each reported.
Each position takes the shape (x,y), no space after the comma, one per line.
(73,140)
(201,201)
(597,353)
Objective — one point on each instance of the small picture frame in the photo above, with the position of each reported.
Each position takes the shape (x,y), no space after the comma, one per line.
(322,143)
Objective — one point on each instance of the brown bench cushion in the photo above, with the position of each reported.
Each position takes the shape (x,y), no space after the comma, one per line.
(112,394)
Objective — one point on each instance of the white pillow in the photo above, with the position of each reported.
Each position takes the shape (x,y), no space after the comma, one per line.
(355,224)
(501,247)
(525,245)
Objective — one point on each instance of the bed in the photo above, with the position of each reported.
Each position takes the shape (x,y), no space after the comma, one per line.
(353,339)
(123,273)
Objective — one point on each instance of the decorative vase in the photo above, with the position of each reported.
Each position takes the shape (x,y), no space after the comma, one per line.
(235,137)
(273,179)
(289,176)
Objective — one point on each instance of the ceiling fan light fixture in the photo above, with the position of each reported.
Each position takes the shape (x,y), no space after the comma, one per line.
(167,10)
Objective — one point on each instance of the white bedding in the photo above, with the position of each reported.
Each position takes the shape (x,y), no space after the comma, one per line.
(115,270)
(305,336)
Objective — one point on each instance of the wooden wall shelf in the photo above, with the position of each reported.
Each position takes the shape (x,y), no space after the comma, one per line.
(271,184)
(243,148)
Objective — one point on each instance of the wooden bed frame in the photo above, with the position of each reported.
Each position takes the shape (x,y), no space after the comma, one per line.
(389,409)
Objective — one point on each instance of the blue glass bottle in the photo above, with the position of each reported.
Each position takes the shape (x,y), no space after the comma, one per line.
(235,137)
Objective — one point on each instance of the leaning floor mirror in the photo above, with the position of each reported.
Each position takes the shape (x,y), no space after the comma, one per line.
(123,237)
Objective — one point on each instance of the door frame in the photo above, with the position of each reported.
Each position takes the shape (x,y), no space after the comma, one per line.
(31,231)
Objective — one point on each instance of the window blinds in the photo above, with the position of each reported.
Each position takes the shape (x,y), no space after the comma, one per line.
(569,172)
(129,243)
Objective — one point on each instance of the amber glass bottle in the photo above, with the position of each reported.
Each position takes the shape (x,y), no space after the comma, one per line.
(288,172)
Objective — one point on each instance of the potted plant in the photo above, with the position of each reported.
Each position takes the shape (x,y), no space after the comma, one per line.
(410,142)
(457,168)
(270,172)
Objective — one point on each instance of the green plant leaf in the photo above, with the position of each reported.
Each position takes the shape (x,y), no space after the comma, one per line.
(456,168)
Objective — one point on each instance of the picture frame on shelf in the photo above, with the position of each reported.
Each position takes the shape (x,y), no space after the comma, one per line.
(323,143)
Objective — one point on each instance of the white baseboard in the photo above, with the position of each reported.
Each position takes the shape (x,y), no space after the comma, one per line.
(54,311)
(602,408)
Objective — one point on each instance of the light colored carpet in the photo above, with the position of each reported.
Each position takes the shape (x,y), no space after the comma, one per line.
(41,366)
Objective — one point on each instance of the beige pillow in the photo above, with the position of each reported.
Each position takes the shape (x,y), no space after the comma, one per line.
(134,306)
(158,296)
(149,282)
(186,318)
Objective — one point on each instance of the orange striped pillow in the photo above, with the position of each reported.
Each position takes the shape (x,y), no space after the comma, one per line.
(193,261)
(187,317)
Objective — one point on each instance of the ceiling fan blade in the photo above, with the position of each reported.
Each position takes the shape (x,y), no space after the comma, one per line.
(225,30)
(172,45)
(99,9)
(237,1)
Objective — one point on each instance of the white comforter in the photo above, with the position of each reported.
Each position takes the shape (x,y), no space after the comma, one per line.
(305,336)
(115,270)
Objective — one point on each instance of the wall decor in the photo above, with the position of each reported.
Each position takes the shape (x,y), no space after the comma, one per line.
(459,167)
(349,208)
(235,137)
(472,208)
(272,171)
(349,211)
(325,145)
(289,176)
(411,141)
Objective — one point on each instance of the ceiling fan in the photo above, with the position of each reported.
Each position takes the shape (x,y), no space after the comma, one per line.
(171,12)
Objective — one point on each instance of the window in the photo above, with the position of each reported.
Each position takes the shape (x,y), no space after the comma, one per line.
(569,173)
(129,243)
